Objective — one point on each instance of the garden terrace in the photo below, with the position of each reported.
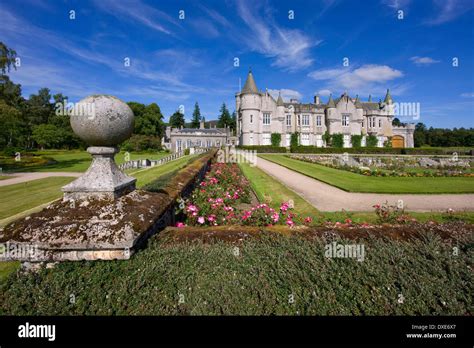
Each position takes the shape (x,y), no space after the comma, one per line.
(102,229)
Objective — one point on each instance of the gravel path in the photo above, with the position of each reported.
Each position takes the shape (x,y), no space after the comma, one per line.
(24,177)
(329,198)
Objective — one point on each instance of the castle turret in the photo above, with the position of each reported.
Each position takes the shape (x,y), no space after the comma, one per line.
(249,105)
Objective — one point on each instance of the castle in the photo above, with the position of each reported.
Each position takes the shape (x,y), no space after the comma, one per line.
(260,115)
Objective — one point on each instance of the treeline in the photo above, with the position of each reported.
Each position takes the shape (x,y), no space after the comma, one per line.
(441,137)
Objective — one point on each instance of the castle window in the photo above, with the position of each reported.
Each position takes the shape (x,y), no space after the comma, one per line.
(251,118)
(299,120)
(209,143)
(288,120)
(189,143)
(363,123)
(305,120)
(266,118)
(319,121)
(198,143)
(178,145)
(345,120)
(266,139)
(380,122)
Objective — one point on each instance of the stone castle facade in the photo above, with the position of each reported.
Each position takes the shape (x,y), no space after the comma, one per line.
(259,115)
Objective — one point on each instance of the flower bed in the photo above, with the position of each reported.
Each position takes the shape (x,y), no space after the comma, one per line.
(223,198)
(392,166)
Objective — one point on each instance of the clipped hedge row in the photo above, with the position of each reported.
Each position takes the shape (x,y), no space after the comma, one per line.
(195,278)
(378,150)
(263,148)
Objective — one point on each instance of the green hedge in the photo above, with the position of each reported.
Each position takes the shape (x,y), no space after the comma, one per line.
(214,281)
(264,148)
(376,150)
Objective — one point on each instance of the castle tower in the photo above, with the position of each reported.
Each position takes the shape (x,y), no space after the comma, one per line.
(249,106)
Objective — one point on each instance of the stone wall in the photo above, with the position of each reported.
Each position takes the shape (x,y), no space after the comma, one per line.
(99,229)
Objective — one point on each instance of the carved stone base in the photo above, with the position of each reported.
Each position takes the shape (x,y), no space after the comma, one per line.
(103,179)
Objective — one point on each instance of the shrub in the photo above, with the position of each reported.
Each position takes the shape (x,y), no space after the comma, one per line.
(361,150)
(387,213)
(187,151)
(371,141)
(276,139)
(294,140)
(356,140)
(337,140)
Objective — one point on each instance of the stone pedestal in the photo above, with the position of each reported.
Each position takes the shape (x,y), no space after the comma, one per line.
(103,179)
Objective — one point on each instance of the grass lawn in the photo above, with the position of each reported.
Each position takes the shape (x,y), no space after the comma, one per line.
(273,192)
(144,176)
(26,195)
(353,182)
(79,161)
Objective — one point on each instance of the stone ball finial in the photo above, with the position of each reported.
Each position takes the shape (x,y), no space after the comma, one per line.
(102,120)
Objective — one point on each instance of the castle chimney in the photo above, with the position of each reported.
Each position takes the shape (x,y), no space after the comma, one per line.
(316,99)
(201,124)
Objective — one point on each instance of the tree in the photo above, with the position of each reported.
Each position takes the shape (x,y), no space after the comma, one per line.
(233,121)
(419,136)
(337,140)
(150,122)
(11,129)
(224,119)
(7,58)
(356,140)
(396,122)
(196,120)
(177,120)
(294,139)
(48,135)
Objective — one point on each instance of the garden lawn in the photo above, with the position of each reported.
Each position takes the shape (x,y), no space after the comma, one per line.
(26,195)
(353,182)
(273,192)
(145,176)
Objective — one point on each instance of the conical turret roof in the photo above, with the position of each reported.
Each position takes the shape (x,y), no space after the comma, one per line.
(331,102)
(250,85)
(280,100)
(388,98)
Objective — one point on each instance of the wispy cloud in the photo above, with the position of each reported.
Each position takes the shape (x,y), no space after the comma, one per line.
(423,60)
(396,4)
(467,95)
(286,94)
(137,11)
(289,48)
(363,80)
(449,10)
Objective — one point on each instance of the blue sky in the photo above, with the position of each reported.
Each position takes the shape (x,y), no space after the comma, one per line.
(177,61)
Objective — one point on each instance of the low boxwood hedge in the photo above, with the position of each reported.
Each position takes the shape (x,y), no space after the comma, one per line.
(264,148)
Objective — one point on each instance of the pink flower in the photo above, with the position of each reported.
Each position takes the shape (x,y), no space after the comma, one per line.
(201,220)
(180,224)
(308,220)
(211,218)
(275,217)
(284,207)
(290,222)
